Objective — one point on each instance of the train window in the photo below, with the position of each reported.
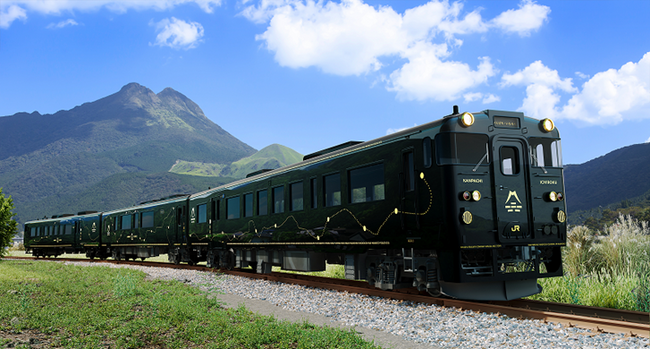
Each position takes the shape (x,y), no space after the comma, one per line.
(68,229)
(545,152)
(367,183)
(332,189)
(409,171)
(509,161)
(248,205)
(232,208)
(213,209)
(147,219)
(136,220)
(202,213)
(314,193)
(32,231)
(462,148)
(126,222)
(426,152)
(262,202)
(296,193)
(278,199)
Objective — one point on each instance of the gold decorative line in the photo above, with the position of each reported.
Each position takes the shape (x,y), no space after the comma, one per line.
(482,246)
(549,244)
(51,245)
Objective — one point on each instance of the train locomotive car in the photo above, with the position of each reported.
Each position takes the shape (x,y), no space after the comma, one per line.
(470,206)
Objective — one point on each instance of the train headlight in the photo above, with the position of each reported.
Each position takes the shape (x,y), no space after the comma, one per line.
(561,216)
(467,195)
(467,217)
(560,197)
(548,125)
(476,195)
(552,196)
(467,119)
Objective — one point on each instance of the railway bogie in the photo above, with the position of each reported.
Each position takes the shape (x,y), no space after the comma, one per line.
(470,206)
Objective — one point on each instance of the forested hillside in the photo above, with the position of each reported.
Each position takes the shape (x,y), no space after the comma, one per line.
(110,153)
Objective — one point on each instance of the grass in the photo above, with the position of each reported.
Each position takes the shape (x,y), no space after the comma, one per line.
(609,268)
(92,307)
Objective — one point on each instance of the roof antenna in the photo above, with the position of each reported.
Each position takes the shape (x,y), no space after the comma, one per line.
(455,110)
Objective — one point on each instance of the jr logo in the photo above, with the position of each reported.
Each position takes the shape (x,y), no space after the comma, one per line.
(513,206)
(515,228)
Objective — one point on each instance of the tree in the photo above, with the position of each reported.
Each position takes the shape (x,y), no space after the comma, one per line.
(7,224)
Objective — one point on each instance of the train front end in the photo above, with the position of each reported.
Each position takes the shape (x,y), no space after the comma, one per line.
(505,200)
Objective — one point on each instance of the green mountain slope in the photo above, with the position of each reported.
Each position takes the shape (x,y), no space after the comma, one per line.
(50,163)
(271,157)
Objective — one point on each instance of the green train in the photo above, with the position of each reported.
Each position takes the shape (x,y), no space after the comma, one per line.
(470,206)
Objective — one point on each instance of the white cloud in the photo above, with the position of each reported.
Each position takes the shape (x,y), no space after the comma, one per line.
(10,13)
(62,24)
(582,75)
(609,97)
(475,96)
(11,10)
(354,38)
(472,96)
(178,34)
(490,98)
(648,141)
(529,17)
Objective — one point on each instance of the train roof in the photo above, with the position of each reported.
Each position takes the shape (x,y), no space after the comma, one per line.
(325,154)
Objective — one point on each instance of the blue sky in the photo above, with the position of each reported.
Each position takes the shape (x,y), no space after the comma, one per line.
(310,75)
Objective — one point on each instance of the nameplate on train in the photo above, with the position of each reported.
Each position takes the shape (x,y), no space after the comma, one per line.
(506,122)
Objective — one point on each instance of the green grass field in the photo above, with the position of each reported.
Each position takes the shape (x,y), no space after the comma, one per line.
(55,305)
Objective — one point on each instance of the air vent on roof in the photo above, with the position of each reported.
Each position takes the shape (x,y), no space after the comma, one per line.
(258,172)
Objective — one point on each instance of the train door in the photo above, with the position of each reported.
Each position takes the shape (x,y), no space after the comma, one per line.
(181,231)
(408,190)
(512,197)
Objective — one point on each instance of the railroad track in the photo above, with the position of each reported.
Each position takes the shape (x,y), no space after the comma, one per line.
(597,319)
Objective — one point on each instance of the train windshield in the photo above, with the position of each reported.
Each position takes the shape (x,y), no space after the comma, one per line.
(545,152)
(462,148)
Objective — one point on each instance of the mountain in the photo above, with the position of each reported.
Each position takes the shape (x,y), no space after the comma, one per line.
(272,157)
(52,162)
(619,175)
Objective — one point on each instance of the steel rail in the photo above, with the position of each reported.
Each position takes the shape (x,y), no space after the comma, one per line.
(632,323)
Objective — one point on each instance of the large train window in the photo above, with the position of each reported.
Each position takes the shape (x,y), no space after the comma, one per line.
(332,189)
(68,229)
(296,193)
(147,219)
(248,205)
(545,152)
(262,205)
(367,183)
(462,148)
(232,208)
(278,199)
(126,222)
(202,213)
(509,161)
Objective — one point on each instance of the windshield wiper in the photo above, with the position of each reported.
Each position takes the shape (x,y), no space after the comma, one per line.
(486,156)
(532,155)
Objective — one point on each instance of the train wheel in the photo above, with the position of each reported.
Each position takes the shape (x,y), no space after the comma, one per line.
(435,292)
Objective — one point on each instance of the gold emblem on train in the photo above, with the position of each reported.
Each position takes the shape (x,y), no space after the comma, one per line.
(511,204)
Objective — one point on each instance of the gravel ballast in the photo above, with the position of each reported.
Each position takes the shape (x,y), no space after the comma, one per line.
(390,323)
